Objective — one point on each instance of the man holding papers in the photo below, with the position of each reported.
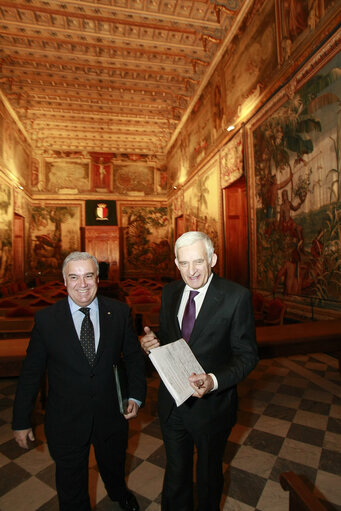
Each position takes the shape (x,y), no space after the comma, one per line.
(215,317)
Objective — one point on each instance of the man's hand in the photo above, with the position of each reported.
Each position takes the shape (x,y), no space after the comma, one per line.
(149,341)
(201,383)
(22,436)
(132,410)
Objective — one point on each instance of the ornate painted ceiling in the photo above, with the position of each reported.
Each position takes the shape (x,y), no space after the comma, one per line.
(110,75)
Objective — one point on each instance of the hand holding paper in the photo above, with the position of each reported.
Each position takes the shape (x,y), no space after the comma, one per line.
(175,363)
(201,383)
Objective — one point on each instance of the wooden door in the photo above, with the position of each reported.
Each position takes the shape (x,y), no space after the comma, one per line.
(104,244)
(19,247)
(236,233)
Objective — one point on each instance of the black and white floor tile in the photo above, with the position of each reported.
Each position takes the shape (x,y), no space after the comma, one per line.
(289,419)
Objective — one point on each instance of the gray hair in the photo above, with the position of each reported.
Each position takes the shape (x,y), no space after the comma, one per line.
(79,256)
(190,237)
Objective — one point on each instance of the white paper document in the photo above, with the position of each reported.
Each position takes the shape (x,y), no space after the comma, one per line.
(175,362)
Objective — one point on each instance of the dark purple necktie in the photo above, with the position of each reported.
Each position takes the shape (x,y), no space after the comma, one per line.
(189,316)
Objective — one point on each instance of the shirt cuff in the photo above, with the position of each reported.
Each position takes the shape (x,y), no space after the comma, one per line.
(215,381)
(139,403)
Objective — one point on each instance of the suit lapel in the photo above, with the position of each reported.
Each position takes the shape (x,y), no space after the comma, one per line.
(64,318)
(174,308)
(104,315)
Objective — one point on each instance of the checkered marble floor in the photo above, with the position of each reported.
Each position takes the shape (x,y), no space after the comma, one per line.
(289,419)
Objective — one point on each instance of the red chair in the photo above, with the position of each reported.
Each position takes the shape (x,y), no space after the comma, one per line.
(275,312)
(258,303)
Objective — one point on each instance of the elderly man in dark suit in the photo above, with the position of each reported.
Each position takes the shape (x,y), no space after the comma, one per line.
(78,340)
(224,342)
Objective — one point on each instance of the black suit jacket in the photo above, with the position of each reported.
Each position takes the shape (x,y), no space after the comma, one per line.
(224,342)
(79,397)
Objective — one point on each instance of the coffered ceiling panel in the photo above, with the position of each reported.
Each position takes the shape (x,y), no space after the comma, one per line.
(110,75)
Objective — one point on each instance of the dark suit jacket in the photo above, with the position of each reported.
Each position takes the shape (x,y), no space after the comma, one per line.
(79,396)
(224,342)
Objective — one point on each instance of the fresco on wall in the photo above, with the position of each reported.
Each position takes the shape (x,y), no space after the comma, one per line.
(297,19)
(1,133)
(200,127)
(101,170)
(247,73)
(15,152)
(54,231)
(6,217)
(231,94)
(298,189)
(162,179)
(218,109)
(67,176)
(134,178)
(202,205)
(146,240)
(178,160)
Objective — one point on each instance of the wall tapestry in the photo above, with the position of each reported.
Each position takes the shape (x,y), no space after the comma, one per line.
(6,218)
(202,207)
(54,231)
(298,189)
(146,240)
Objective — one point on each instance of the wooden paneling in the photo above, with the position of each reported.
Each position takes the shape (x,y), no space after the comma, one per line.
(104,244)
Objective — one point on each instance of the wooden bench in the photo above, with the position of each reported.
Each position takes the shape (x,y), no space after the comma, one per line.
(300,496)
(300,338)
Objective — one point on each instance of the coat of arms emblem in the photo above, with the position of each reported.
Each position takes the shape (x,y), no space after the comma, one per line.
(102,211)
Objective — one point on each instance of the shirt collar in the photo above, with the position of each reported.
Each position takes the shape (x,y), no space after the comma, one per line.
(74,307)
(202,289)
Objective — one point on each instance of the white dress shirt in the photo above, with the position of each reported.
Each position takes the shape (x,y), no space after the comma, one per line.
(199,300)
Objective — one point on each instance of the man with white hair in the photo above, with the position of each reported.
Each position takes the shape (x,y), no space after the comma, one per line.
(215,317)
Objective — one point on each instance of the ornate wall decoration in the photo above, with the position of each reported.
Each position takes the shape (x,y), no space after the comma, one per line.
(101,167)
(100,212)
(298,188)
(67,176)
(16,152)
(231,160)
(249,73)
(202,207)
(6,217)
(134,178)
(145,240)
(54,231)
